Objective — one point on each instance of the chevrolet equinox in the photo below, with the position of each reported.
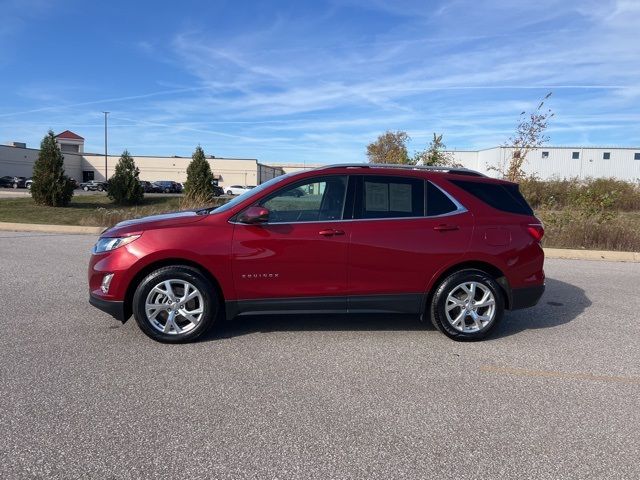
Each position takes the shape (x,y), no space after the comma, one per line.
(449,244)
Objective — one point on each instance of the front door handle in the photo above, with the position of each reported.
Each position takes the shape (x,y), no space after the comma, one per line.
(443,227)
(330,232)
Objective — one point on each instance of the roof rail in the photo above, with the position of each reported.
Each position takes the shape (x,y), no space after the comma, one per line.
(458,170)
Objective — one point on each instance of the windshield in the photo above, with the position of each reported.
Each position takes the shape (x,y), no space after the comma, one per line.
(249,193)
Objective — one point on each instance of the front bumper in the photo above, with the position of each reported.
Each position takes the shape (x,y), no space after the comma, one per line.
(525,297)
(114,308)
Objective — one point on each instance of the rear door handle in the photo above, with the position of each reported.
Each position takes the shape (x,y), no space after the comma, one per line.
(330,232)
(446,228)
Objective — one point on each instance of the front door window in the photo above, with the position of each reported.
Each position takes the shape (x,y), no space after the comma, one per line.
(320,199)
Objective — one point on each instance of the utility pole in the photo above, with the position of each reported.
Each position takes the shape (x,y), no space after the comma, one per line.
(105,145)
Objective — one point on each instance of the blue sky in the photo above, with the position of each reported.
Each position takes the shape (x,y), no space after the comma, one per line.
(306,81)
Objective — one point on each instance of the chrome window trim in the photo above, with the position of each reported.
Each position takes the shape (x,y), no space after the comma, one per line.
(459,207)
(459,210)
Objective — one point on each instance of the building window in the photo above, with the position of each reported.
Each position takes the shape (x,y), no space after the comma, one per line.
(606,156)
(636,156)
(575,155)
(545,154)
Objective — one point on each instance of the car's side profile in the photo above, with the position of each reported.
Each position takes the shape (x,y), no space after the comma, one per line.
(9,181)
(93,185)
(237,189)
(446,244)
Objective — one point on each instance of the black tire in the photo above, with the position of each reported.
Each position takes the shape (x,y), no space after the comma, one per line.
(86,189)
(229,192)
(437,309)
(100,188)
(210,306)
(15,185)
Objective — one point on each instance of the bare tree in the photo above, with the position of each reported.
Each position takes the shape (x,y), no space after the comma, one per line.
(530,135)
(390,147)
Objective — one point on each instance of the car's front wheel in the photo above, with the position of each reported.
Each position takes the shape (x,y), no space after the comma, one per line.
(175,304)
(467,305)
(86,189)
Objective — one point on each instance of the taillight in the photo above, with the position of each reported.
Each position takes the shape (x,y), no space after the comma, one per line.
(536,230)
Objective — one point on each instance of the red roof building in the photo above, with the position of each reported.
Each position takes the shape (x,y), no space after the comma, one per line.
(70,142)
(69,135)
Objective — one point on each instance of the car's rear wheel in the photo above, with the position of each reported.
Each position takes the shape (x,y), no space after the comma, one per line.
(15,185)
(467,305)
(86,189)
(100,188)
(229,192)
(175,304)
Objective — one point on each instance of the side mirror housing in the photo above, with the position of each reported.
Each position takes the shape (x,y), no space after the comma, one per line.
(254,215)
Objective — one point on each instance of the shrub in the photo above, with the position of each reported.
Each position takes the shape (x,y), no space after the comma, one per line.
(199,177)
(604,193)
(124,186)
(50,186)
(570,229)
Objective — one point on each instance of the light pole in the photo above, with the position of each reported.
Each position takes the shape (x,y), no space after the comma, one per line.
(105,145)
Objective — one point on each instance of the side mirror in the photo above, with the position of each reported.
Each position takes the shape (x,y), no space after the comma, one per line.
(254,215)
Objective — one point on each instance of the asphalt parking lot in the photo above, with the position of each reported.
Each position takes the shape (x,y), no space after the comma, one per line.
(554,393)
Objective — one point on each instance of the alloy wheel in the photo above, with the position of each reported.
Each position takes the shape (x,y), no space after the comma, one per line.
(470,307)
(174,307)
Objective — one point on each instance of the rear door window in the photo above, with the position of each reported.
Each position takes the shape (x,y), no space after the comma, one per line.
(389,197)
(438,203)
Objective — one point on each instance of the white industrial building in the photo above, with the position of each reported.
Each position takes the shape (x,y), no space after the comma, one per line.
(559,162)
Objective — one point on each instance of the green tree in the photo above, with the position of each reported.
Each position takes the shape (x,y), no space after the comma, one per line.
(198,186)
(124,186)
(390,147)
(435,154)
(50,185)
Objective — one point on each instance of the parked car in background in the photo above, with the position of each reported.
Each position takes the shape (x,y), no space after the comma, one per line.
(9,181)
(93,186)
(180,187)
(167,186)
(217,190)
(28,182)
(149,187)
(236,189)
(446,244)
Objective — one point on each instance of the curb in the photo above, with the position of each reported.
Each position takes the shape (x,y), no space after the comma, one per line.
(36,227)
(602,255)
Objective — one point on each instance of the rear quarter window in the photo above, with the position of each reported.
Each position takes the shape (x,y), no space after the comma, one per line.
(501,196)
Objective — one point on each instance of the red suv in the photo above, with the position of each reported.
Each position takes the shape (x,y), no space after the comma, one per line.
(448,244)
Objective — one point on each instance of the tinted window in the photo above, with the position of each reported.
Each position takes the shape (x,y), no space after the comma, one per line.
(575,155)
(636,156)
(505,197)
(437,202)
(313,200)
(390,197)
(606,156)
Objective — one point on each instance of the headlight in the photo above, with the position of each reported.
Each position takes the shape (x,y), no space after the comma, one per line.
(111,243)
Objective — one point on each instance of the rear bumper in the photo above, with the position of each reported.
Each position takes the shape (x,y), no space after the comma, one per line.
(113,308)
(525,297)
